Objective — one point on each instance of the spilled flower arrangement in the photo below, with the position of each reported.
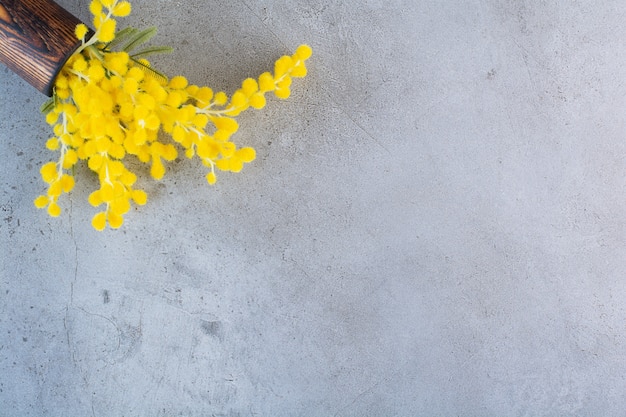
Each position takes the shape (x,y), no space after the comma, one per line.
(109,103)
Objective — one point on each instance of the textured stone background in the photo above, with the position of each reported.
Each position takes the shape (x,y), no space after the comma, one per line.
(435,225)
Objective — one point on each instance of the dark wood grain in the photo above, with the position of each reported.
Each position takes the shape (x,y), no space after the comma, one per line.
(36,38)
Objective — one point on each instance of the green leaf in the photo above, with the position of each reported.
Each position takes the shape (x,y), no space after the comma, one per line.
(121,36)
(152,50)
(139,38)
(47,106)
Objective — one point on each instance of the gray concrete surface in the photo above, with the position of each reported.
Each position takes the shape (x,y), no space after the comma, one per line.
(435,225)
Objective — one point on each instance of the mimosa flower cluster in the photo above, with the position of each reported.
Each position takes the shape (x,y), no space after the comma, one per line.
(109,103)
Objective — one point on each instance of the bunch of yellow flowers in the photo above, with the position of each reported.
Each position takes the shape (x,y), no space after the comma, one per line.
(109,103)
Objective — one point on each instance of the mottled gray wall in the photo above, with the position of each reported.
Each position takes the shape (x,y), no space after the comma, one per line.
(435,225)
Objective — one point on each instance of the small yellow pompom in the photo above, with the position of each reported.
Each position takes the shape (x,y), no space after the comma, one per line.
(257,101)
(136,73)
(299,71)
(49,172)
(61,81)
(159,94)
(179,133)
(146,100)
(63,93)
(55,189)
(95,7)
(80,31)
(178,83)
(99,221)
(223,164)
(51,118)
(204,94)
(140,112)
(65,139)
(226,123)
(69,159)
(58,129)
(88,149)
(157,170)
(67,182)
(70,109)
(139,138)
(80,65)
(200,121)
(152,122)
(220,98)
(95,162)
(139,197)
(283,92)
(211,178)
(221,136)
(246,154)
(128,178)
(107,193)
(239,100)
(236,165)
(107,30)
(95,72)
(266,82)
(118,62)
(282,66)
(41,201)
(54,210)
(115,220)
(95,199)
(98,19)
(208,150)
(126,109)
(130,86)
(115,81)
(284,83)
(122,9)
(185,114)
(116,168)
(227,149)
(249,86)
(169,152)
(303,52)
(120,206)
(174,99)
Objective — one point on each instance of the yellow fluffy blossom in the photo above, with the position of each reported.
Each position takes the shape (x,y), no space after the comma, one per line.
(109,104)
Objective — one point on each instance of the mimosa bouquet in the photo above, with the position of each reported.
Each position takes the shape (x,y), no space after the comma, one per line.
(109,103)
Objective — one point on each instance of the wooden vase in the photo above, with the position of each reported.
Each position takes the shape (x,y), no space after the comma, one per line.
(36,39)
